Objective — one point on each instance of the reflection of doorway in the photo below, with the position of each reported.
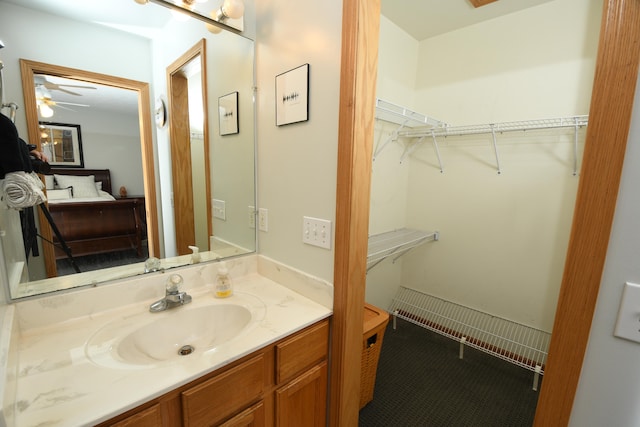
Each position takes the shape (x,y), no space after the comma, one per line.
(28,70)
(189,149)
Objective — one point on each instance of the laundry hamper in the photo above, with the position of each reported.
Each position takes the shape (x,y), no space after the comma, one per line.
(375,322)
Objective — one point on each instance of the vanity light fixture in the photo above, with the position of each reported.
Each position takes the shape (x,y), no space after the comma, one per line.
(230,9)
(228,16)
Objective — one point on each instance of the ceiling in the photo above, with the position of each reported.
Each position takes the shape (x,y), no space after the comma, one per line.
(427,18)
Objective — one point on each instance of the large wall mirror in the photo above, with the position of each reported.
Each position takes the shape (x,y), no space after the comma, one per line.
(108,82)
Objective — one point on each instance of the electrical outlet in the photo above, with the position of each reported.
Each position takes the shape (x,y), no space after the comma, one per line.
(219,209)
(252,216)
(628,324)
(316,232)
(263,219)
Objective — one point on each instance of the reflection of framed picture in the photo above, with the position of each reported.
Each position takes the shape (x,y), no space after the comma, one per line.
(62,144)
(292,96)
(228,110)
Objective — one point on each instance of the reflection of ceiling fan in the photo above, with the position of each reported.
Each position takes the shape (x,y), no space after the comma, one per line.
(42,81)
(45,101)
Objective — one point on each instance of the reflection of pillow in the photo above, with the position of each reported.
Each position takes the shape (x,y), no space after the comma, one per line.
(48,182)
(83,186)
(99,186)
(59,194)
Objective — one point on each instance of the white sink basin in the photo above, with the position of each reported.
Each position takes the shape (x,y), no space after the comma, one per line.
(146,340)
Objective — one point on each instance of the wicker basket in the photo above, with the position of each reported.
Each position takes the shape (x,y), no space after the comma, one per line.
(375,322)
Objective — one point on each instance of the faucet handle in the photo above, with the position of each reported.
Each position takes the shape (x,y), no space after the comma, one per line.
(174,283)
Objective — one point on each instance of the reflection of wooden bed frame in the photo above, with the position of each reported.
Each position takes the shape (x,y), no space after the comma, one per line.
(98,227)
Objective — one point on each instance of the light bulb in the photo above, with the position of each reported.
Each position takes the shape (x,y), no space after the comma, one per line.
(141,1)
(46,111)
(212,28)
(234,9)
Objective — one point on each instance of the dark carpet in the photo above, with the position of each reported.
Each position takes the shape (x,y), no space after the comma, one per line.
(100,261)
(422,382)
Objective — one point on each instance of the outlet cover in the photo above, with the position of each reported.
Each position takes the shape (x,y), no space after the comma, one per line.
(263,219)
(628,324)
(252,216)
(316,232)
(219,209)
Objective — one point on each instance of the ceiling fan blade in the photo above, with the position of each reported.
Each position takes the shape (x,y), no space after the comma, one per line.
(71,103)
(68,91)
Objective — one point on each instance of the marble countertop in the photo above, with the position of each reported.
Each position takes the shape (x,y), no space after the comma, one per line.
(58,385)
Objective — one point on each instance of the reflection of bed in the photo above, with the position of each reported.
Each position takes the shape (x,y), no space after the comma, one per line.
(94,225)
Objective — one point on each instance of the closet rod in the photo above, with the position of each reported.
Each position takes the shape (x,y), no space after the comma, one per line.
(522,125)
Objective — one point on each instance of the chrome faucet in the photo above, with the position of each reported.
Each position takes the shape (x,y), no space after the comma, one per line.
(174,297)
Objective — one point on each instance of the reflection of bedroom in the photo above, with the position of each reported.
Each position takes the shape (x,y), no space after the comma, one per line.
(109,140)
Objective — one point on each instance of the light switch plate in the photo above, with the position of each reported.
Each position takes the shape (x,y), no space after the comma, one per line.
(316,232)
(628,324)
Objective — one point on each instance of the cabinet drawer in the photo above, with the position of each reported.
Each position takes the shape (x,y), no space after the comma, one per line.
(251,417)
(218,398)
(301,352)
(150,417)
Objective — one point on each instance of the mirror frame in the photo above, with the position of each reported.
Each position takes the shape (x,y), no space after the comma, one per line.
(28,70)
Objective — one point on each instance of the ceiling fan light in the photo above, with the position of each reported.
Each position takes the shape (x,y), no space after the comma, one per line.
(45,110)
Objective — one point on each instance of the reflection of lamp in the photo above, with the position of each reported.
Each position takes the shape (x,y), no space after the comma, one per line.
(45,110)
(230,9)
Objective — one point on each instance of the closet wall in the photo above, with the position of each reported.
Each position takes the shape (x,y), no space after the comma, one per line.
(503,235)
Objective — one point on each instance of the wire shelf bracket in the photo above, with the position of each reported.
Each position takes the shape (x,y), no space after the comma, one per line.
(403,117)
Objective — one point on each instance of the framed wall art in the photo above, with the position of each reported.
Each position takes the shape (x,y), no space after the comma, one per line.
(292,96)
(228,111)
(62,144)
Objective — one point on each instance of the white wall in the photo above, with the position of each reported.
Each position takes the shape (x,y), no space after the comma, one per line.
(503,236)
(110,140)
(516,67)
(297,163)
(610,381)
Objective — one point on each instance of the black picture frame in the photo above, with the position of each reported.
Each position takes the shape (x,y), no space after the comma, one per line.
(62,144)
(229,120)
(292,96)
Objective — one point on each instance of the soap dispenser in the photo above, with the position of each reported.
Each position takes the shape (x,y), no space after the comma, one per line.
(195,256)
(224,287)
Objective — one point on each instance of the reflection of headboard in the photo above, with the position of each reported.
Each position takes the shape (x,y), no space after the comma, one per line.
(100,175)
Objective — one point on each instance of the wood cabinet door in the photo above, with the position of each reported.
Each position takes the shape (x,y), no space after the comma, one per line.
(302,402)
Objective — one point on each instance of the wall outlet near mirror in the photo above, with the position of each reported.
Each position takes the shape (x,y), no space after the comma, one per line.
(252,216)
(219,209)
(263,219)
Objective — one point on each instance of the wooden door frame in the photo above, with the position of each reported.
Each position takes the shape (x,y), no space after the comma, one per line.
(609,122)
(30,68)
(179,137)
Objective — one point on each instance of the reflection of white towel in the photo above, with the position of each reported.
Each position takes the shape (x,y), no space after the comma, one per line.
(22,190)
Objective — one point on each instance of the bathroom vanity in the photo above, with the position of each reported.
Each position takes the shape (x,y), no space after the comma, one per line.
(98,356)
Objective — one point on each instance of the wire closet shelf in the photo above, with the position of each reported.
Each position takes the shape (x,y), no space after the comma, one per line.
(513,342)
(396,243)
(420,126)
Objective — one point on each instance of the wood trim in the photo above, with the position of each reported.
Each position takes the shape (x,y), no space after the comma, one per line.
(609,121)
(28,69)
(479,3)
(360,32)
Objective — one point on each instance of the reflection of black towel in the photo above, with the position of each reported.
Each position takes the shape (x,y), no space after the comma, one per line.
(14,154)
